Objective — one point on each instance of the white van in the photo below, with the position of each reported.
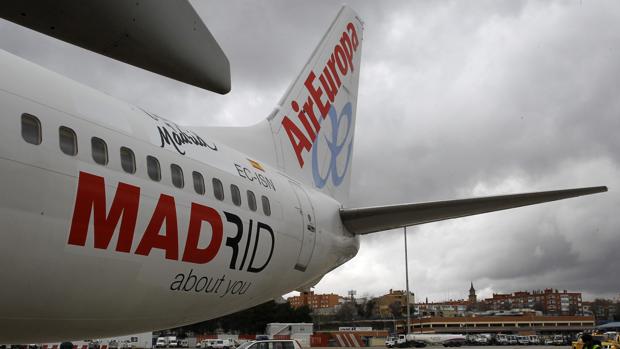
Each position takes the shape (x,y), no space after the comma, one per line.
(207,343)
(161,342)
(501,339)
(223,344)
(512,339)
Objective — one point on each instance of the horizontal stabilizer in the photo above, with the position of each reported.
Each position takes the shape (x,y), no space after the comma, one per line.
(373,219)
(162,36)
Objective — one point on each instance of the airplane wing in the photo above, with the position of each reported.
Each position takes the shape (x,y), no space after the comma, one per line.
(373,219)
(162,36)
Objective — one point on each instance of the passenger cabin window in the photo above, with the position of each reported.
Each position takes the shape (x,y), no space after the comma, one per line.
(31,129)
(218,189)
(251,200)
(199,183)
(153,169)
(128,160)
(177,176)
(236,195)
(266,206)
(67,141)
(100,150)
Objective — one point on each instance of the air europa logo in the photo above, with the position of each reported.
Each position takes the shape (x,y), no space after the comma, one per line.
(321,96)
(335,148)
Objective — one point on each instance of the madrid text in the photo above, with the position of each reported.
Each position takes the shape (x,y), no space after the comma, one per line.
(242,236)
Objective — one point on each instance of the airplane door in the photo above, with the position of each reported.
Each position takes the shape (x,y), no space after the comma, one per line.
(306,213)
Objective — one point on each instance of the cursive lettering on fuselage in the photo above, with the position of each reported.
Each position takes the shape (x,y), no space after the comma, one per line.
(178,138)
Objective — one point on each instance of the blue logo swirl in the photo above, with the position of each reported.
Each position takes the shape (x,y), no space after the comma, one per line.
(334,148)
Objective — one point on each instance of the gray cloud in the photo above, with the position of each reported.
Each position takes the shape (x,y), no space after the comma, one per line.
(456,100)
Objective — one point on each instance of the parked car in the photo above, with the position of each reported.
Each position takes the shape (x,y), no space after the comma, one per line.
(390,342)
(558,340)
(223,344)
(172,342)
(482,340)
(534,340)
(207,343)
(523,340)
(512,339)
(161,342)
(501,339)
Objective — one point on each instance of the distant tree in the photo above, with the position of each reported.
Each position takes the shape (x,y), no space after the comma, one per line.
(347,312)
(370,308)
(573,310)
(254,320)
(360,309)
(482,306)
(600,308)
(396,309)
(538,305)
(505,306)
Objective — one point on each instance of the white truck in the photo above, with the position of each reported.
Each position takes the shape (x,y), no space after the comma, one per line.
(390,342)
(512,339)
(501,339)
(482,339)
(559,340)
(172,342)
(207,343)
(523,340)
(161,342)
(223,344)
(167,342)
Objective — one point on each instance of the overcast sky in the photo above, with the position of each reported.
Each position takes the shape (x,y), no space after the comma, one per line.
(457,99)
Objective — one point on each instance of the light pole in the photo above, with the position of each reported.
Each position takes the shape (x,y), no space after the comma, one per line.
(407,278)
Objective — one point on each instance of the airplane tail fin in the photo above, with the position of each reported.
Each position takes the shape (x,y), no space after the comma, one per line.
(309,135)
(313,125)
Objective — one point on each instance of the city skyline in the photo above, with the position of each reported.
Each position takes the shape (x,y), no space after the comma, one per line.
(463,297)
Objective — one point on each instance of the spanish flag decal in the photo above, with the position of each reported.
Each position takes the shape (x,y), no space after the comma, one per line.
(256,165)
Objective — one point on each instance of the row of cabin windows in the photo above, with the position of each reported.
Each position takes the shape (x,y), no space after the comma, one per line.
(31,133)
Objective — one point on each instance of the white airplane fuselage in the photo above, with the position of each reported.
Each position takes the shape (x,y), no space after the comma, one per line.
(114,220)
(91,248)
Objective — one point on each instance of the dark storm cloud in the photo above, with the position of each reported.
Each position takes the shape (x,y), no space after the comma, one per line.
(456,99)
(480,101)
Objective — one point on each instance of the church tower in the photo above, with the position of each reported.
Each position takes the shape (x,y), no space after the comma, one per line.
(472,295)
